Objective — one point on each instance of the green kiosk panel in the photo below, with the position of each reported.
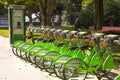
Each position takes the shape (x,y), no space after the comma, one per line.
(16,22)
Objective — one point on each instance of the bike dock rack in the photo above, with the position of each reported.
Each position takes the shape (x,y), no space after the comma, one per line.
(66,53)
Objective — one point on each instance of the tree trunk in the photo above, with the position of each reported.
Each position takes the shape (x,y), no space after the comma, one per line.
(30,21)
(29,13)
(46,8)
(98,14)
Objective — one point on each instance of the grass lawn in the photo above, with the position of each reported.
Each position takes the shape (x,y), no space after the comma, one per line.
(68,27)
(4,32)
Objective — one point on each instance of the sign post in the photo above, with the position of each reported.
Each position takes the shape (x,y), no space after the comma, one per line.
(16,16)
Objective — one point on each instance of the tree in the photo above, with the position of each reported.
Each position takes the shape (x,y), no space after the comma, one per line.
(87,17)
(86,3)
(98,14)
(3,10)
(46,8)
(28,11)
(112,13)
(73,8)
(59,7)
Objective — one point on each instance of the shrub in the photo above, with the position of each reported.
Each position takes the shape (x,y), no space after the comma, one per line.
(86,18)
(72,16)
(112,13)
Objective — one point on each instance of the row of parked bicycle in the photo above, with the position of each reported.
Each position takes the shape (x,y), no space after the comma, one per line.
(67,53)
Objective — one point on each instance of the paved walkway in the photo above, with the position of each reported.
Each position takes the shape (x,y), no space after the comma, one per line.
(13,68)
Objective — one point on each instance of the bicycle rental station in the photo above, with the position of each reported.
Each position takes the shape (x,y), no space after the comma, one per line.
(64,53)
